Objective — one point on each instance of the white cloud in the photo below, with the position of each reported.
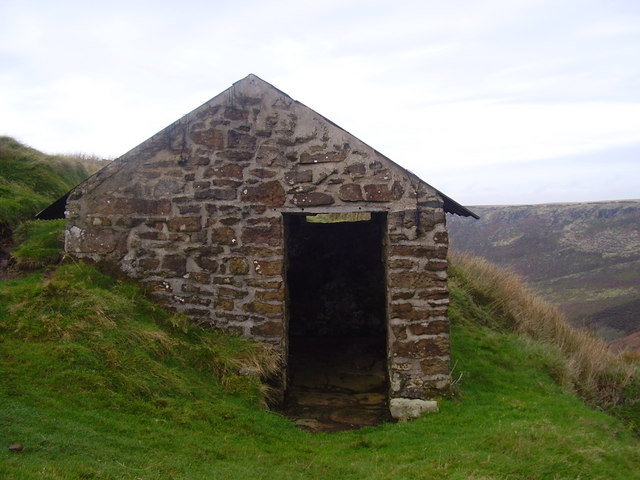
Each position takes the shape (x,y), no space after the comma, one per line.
(430,84)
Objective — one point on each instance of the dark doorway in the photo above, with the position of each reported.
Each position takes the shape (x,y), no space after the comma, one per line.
(337,320)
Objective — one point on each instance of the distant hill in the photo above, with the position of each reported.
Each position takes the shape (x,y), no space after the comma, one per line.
(585,257)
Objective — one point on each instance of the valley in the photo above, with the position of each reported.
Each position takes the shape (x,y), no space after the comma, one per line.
(584,257)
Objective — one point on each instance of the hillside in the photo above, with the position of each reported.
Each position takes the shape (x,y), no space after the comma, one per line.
(29,181)
(585,257)
(97,382)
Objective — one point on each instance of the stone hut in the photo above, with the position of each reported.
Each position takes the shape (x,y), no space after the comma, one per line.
(255,214)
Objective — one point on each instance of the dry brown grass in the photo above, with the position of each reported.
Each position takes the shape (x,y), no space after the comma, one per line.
(589,367)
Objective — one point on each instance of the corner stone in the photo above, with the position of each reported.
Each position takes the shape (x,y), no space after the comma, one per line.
(403,409)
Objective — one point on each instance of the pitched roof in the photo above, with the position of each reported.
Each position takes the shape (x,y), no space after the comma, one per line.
(57,208)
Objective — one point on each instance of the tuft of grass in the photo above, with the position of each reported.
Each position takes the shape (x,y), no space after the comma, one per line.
(109,336)
(589,368)
(39,243)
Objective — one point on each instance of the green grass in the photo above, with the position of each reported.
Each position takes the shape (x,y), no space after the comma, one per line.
(31,180)
(39,243)
(98,382)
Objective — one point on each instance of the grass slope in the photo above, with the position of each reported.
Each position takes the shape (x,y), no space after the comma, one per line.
(31,180)
(97,382)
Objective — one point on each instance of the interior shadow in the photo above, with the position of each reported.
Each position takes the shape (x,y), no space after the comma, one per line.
(337,321)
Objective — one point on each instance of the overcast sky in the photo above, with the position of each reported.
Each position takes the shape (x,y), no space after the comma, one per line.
(492,102)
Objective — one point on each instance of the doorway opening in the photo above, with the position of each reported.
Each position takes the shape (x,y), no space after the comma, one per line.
(337,320)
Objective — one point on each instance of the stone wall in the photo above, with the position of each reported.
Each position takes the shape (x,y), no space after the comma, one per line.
(196,213)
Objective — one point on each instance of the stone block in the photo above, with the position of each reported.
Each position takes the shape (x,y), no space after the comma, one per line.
(268,329)
(270,235)
(229,221)
(401,264)
(433,327)
(152,236)
(268,193)
(423,348)
(264,221)
(226,280)
(270,155)
(228,292)
(378,192)
(233,113)
(436,265)
(356,170)
(148,264)
(412,280)
(407,311)
(264,267)
(397,190)
(312,199)
(241,140)
(130,206)
(158,286)
(199,277)
(212,138)
(99,240)
(262,308)
(429,218)
(293,177)
(187,209)
(440,294)
(271,284)
(382,174)
(167,187)
(403,409)
(435,366)
(399,331)
(223,236)
(208,263)
(174,265)
(198,300)
(402,295)
(441,237)
(350,192)
(322,157)
(225,182)
(263,173)
(270,295)
(190,288)
(418,251)
(236,155)
(227,171)
(259,251)
(238,266)
(216,194)
(223,304)
(184,224)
